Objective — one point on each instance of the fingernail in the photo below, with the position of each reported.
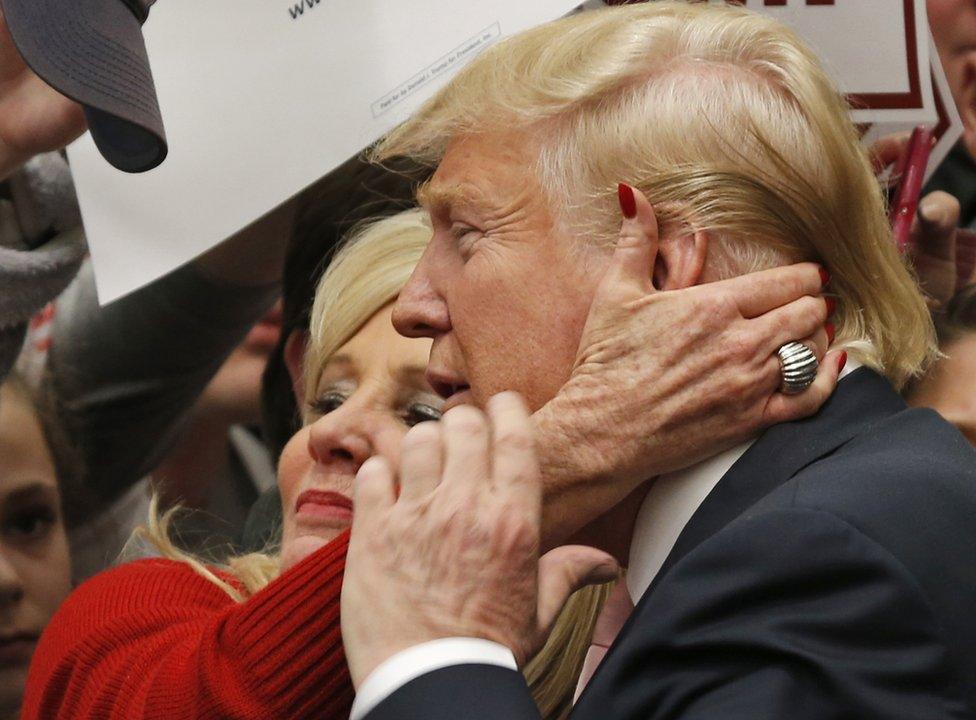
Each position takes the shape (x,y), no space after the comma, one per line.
(824,276)
(829,328)
(831,306)
(628,203)
(931,213)
(842,362)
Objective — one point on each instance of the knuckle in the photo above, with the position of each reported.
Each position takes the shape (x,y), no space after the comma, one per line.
(741,347)
(513,532)
(719,304)
(424,434)
(517,440)
(465,419)
(815,311)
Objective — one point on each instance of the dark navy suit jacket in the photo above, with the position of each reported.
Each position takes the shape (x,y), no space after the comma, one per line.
(830,574)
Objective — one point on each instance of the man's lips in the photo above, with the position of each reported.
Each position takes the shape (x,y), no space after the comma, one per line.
(324,504)
(450,387)
(462,397)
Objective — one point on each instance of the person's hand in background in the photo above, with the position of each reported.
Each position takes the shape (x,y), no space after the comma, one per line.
(941,266)
(34,118)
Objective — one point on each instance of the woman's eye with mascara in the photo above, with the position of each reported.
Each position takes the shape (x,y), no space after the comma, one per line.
(418,413)
(327,403)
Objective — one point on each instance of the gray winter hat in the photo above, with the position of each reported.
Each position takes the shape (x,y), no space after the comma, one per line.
(93,52)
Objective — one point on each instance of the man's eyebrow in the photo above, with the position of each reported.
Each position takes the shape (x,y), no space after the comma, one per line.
(435,198)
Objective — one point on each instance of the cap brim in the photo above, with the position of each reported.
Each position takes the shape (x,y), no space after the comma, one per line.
(93,52)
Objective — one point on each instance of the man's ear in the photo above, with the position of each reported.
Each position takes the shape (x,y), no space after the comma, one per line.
(294,360)
(681,259)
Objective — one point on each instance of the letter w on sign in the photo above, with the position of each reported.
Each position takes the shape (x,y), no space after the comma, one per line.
(298,9)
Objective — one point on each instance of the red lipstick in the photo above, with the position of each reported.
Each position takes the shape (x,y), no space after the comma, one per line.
(325,505)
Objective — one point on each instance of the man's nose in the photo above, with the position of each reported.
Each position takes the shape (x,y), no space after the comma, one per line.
(342,437)
(420,311)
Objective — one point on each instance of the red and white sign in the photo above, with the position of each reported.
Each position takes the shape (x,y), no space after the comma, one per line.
(876,50)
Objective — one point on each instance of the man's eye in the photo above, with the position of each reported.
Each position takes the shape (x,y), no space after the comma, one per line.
(465,237)
(29,524)
(418,413)
(327,403)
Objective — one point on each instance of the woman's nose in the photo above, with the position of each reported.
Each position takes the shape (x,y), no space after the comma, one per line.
(11,586)
(342,436)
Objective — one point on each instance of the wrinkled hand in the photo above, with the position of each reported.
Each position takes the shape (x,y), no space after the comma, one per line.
(664,379)
(34,118)
(457,553)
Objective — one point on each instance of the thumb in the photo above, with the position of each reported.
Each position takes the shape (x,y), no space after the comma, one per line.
(636,251)
(565,570)
(935,229)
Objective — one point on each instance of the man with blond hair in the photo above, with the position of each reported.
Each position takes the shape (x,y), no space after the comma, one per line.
(820,570)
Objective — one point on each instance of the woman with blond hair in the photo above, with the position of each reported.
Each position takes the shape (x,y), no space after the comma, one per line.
(821,569)
(259,636)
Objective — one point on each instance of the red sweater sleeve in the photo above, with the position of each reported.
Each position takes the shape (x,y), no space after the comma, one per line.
(154,640)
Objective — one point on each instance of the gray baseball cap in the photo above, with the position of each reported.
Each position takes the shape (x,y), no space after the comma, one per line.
(93,52)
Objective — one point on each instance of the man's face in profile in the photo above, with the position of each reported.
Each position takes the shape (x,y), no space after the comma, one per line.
(502,290)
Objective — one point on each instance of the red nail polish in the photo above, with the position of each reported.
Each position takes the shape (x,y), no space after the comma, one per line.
(829,327)
(628,203)
(843,361)
(824,276)
(831,306)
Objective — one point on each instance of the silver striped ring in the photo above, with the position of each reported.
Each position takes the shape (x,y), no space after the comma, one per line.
(798,365)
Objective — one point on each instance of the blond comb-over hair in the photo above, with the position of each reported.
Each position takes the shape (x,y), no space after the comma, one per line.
(726,121)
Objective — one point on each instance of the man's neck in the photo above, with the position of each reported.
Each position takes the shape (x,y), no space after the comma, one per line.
(613,531)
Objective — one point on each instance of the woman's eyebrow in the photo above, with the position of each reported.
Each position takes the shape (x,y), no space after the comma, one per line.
(31,491)
(340,360)
(414,373)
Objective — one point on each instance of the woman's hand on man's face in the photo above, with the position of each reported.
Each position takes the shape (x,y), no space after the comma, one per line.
(456,554)
(666,379)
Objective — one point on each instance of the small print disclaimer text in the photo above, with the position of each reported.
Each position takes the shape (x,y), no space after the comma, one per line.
(456,57)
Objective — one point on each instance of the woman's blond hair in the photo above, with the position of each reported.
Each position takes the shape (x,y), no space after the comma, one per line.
(365,275)
(726,121)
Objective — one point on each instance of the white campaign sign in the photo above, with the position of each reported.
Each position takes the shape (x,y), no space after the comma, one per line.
(260,98)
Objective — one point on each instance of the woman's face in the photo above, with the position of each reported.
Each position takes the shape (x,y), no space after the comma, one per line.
(370,391)
(35,568)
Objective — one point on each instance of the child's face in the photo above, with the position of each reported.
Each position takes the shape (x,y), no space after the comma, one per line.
(35,568)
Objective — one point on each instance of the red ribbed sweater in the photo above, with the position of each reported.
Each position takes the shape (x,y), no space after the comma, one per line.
(153,640)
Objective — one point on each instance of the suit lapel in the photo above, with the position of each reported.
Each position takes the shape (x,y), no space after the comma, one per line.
(861,400)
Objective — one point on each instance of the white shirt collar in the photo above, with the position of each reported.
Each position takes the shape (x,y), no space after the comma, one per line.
(669,505)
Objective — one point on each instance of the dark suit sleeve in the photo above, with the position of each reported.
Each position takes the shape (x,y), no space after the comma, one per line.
(793,614)
(472,692)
